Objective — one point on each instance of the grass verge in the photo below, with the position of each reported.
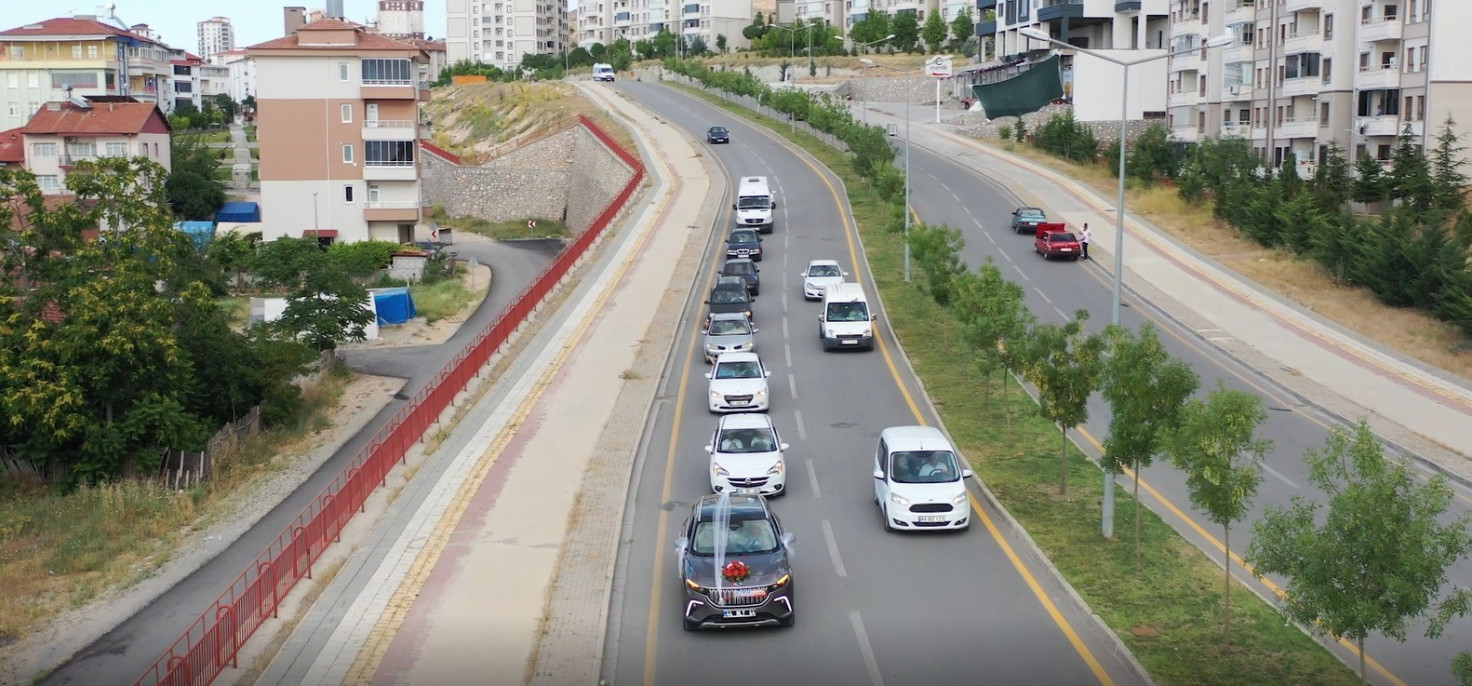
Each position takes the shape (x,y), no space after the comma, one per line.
(59,551)
(440,299)
(1169,614)
(511,229)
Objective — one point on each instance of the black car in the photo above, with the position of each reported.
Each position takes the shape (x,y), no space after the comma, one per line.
(729,294)
(746,269)
(717,134)
(744,243)
(734,564)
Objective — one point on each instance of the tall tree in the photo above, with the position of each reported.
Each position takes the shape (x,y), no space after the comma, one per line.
(905,29)
(962,27)
(1410,174)
(721,43)
(1374,557)
(934,32)
(193,189)
(993,312)
(1217,446)
(937,251)
(1370,182)
(1331,182)
(1063,362)
(1447,178)
(1146,390)
(1462,668)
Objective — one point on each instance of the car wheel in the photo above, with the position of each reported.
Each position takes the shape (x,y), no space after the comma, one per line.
(884,512)
(756,291)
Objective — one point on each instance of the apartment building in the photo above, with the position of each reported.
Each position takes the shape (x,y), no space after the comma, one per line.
(401,19)
(83,54)
(337,114)
(195,80)
(216,35)
(240,73)
(594,22)
(1302,74)
(706,19)
(502,32)
(62,133)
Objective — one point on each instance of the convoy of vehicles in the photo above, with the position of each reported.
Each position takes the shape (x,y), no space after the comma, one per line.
(717,134)
(746,269)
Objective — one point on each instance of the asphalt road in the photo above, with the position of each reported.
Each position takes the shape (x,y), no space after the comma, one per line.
(872,607)
(945,192)
(122,654)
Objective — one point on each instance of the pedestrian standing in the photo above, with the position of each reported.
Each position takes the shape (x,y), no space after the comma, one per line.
(1083,240)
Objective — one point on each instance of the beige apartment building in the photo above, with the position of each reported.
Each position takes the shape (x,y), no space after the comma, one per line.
(1304,73)
(337,110)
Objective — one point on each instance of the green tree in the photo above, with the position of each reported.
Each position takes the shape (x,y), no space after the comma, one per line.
(1216,445)
(905,29)
(1064,363)
(1410,174)
(1447,178)
(598,51)
(226,106)
(1146,390)
(580,57)
(934,32)
(248,103)
(1331,183)
(721,43)
(994,312)
(1462,668)
(937,251)
(963,28)
(193,189)
(1374,557)
(1370,184)
(756,29)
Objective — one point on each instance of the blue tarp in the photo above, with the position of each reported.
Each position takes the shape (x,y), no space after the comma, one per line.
(239,212)
(201,232)
(394,305)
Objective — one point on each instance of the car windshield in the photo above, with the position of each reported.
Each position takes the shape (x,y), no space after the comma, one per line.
(736,268)
(717,129)
(1061,237)
(725,296)
(753,202)
(761,440)
(743,537)
(738,370)
(729,327)
(924,467)
(744,237)
(1029,212)
(847,312)
(824,270)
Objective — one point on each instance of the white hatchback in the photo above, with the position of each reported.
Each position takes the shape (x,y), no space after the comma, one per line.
(919,482)
(738,383)
(746,456)
(819,275)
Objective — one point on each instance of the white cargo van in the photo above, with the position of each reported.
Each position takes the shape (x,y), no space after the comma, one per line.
(754,203)
(846,320)
(603,72)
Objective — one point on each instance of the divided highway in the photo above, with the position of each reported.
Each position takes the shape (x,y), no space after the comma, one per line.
(872,607)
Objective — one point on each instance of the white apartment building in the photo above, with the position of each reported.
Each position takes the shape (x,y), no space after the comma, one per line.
(502,32)
(706,19)
(1304,74)
(240,73)
(595,23)
(215,36)
(401,19)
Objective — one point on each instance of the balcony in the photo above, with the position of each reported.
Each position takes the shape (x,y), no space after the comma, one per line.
(1236,129)
(1307,85)
(1237,52)
(986,28)
(390,130)
(1049,10)
(1303,41)
(1297,128)
(1304,6)
(1388,125)
(1190,61)
(1375,31)
(390,171)
(393,210)
(1235,92)
(1377,77)
(983,5)
(389,90)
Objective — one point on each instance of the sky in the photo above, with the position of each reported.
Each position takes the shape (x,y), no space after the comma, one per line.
(255,21)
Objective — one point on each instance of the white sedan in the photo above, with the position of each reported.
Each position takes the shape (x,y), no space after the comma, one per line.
(738,383)
(819,275)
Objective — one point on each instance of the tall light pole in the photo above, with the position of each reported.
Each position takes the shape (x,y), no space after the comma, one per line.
(871,63)
(865,62)
(1124,116)
(316,225)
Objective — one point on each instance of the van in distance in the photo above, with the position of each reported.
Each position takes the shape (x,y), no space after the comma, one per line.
(754,204)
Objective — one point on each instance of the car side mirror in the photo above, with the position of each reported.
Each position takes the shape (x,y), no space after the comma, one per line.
(844,273)
(768,373)
(803,274)
(788,538)
(707,302)
(879,475)
(967,474)
(733,205)
(785,446)
(873,317)
(710,448)
(707,375)
(755,270)
(754,329)
(820,317)
(682,543)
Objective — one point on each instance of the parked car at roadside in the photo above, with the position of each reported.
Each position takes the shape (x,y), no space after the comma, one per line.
(1055,240)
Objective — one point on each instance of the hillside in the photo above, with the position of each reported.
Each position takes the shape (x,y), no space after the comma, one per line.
(473,119)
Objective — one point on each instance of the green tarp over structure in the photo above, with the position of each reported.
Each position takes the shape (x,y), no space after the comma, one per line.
(1027,92)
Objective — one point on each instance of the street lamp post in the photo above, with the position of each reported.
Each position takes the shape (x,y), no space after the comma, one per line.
(316,225)
(1124,115)
(864,97)
(871,63)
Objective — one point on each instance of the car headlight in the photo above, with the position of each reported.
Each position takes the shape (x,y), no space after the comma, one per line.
(869,332)
(829,333)
(744,346)
(715,395)
(748,314)
(899,500)
(692,585)
(760,393)
(961,500)
(780,582)
(717,470)
(711,347)
(776,468)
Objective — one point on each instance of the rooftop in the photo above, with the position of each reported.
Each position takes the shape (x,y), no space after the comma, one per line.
(80,25)
(12,147)
(329,34)
(102,118)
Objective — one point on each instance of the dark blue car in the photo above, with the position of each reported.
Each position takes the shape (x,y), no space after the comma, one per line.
(744,243)
(717,134)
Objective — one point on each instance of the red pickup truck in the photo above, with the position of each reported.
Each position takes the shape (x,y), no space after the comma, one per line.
(1055,240)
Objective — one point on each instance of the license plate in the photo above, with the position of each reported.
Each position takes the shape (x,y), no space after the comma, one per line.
(850,342)
(929,519)
(1065,250)
(746,491)
(740,402)
(738,614)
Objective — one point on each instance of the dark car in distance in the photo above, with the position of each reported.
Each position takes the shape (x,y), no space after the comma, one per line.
(744,243)
(1026,219)
(717,134)
(741,577)
(729,294)
(746,269)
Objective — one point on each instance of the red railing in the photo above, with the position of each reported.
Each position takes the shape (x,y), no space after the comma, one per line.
(213,641)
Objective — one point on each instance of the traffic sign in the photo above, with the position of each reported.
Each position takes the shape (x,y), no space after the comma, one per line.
(938,66)
(531,223)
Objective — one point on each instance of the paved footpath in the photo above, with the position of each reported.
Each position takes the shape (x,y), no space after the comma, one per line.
(1426,412)
(503,573)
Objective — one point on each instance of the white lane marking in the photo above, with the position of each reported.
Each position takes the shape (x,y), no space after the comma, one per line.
(1022,274)
(988,235)
(1006,257)
(865,649)
(953,195)
(1275,472)
(832,545)
(784,301)
(802,431)
(1045,295)
(792,384)
(969,214)
(1060,312)
(813,479)
(787,352)
(784,327)
(786,240)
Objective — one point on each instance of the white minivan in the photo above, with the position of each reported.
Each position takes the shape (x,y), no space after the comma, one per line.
(754,203)
(603,72)
(919,481)
(846,320)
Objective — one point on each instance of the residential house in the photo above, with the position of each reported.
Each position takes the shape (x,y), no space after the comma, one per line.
(63,133)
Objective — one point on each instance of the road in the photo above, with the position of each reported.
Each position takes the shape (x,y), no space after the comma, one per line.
(126,651)
(945,192)
(872,607)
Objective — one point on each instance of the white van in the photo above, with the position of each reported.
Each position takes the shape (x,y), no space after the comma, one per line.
(754,203)
(603,72)
(920,481)
(846,320)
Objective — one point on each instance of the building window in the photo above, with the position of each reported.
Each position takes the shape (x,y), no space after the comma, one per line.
(347,194)
(373,193)
(49,182)
(1327,63)
(347,154)
(17,52)
(116,149)
(347,113)
(1420,108)
(1424,57)
(92,52)
(1382,152)
(33,80)
(388,153)
(1328,26)
(75,79)
(76,52)
(342,72)
(81,151)
(387,71)
(43,149)
(1323,114)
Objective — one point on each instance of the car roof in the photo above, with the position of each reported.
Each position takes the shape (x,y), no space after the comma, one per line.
(900,438)
(743,506)
(820,263)
(717,126)
(746,420)
(737,357)
(844,292)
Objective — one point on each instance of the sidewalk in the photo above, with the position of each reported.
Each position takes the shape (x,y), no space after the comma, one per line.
(1424,411)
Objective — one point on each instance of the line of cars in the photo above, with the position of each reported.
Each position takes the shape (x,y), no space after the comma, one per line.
(1050,239)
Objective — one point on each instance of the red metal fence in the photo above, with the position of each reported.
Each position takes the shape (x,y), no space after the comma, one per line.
(213,641)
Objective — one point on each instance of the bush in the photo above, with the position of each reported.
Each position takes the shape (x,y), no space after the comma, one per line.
(1004,132)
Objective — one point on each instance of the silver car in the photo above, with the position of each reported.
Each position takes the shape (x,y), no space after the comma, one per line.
(729,332)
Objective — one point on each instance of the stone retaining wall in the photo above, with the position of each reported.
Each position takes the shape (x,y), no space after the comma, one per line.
(976,124)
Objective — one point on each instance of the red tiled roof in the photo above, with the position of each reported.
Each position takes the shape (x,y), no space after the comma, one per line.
(426,45)
(71,26)
(12,147)
(362,39)
(103,118)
